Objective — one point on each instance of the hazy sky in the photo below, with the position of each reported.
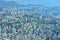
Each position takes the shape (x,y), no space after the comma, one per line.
(39,2)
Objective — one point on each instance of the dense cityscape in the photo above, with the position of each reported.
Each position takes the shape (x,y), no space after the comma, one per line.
(32,22)
(24,24)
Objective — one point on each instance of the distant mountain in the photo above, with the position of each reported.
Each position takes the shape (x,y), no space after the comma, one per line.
(8,4)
